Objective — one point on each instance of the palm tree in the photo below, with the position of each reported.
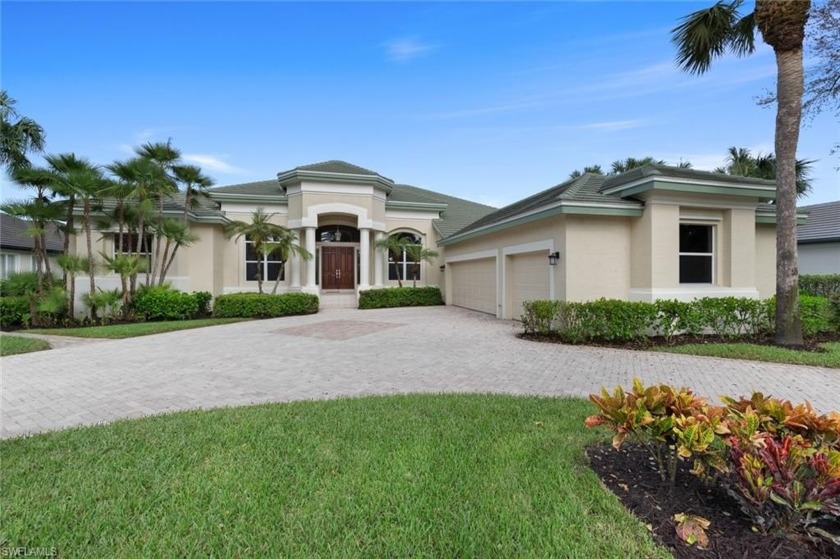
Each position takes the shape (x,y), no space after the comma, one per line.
(394,245)
(194,182)
(73,264)
(177,234)
(592,169)
(623,165)
(285,245)
(126,266)
(418,254)
(59,167)
(260,232)
(741,162)
(18,136)
(712,32)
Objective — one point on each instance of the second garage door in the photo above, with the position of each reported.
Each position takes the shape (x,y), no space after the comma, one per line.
(474,284)
(527,280)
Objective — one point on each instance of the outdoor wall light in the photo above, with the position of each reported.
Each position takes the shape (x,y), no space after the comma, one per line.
(553,257)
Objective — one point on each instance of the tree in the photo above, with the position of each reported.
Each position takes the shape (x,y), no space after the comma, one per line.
(73,264)
(710,33)
(394,245)
(623,165)
(126,266)
(285,245)
(742,163)
(177,234)
(18,135)
(418,254)
(194,182)
(591,169)
(822,90)
(261,233)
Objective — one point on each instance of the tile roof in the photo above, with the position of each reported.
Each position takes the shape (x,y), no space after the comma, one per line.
(678,173)
(13,235)
(823,223)
(259,188)
(336,166)
(458,213)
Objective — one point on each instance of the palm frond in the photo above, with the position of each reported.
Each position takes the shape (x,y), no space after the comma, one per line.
(710,33)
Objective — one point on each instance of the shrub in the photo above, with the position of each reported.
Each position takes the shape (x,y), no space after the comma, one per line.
(834,311)
(820,285)
(400,297)
(14,311)
(264,305)
(538,316)
(816,314)
(19,283)
(164,303)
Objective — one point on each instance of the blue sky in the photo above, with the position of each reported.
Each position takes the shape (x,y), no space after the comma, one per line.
(488,101)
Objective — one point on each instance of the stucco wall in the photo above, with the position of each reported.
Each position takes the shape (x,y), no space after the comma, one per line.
(765,260)
(598,253)
(819,258)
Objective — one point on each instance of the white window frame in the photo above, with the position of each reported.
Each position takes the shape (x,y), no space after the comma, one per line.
(403,261)
(266,259)
(712,254)
(9,264)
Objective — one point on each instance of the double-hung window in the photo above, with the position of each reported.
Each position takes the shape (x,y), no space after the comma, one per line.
(266,265)
(409,269)
(697,253)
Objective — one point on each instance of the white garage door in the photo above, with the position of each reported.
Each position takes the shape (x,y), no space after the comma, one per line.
(527,280)
(474,284)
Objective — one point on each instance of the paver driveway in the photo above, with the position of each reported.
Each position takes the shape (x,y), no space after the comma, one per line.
(351,353)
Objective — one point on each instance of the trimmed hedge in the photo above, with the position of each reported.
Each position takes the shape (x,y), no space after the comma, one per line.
(624,321)
(168,304)
(820,285)
(264,305)
(400,297)
(14,311)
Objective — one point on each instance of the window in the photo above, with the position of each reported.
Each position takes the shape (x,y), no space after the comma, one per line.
(409,269)
(337,234)
(7,265)
(127,243)
(696,253)
(267,265)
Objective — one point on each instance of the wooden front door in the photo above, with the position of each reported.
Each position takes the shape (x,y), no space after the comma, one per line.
(338,267)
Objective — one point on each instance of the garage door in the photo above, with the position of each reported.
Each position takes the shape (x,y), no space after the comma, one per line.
(474,284)
(527,280)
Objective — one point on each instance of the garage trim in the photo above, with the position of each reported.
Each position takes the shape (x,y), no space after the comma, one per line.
(479,255)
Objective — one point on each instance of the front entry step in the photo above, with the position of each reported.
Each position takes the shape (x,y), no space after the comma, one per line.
(338,300)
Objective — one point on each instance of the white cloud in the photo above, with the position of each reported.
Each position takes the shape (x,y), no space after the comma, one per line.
(213,163)
(613,125)
(407,49)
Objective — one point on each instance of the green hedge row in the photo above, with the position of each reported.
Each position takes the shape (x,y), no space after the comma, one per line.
(264,305)
(162,303)
(820,285)
(14,311)
(622,321)
(400,297)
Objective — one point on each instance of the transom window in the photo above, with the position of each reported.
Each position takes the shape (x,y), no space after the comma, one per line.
(408,268)
(268,266)
(697,254)
(337,234)
(127,244)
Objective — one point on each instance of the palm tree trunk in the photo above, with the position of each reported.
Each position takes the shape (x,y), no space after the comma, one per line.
(156,254)
(790,88)
(91,261)
(164,260)
(279,275)
(68,229)
(397,267)
(71,283)
(45,256)
(169,263)
(39,272)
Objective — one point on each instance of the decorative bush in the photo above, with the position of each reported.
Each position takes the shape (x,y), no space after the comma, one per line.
(164,303)
(820,285)
(400,297)
(14,311)
(780,461)
(834,311)
(264,305)
(19,283)
(539,316)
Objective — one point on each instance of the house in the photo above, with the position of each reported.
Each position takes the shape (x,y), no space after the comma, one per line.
(16,246)
(819,239)
(653,232)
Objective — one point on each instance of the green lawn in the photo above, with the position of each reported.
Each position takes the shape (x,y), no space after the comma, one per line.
(11,345)
(757,352)
(118,331)
(404,476)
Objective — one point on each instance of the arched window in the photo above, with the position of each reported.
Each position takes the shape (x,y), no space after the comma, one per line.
(408,268)
(337,234)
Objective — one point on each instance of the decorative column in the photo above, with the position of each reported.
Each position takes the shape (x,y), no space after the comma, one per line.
(310,264)
(296,264)
(364,258)
(377,261)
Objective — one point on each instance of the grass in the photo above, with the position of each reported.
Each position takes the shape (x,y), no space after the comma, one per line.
(12,345)
(757,352)
(119,331)
(403,476)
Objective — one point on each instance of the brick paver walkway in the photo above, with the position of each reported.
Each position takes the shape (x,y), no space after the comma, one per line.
(351,353)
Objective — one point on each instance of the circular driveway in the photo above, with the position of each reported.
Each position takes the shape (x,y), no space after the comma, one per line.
(352,353)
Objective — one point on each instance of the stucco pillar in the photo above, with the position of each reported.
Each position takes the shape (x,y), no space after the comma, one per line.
(310,286)
(364,258)
(295,263)
(377,261)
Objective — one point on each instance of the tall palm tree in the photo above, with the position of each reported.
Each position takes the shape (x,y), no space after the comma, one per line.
(418,254)
(73,264)
(165,157)
(177,234)
(712,32)
(260,232)
(285,246)
(60,166)
(18,135)
(741,162)
(194,182)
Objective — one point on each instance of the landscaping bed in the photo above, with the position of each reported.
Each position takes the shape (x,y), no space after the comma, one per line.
(630,476)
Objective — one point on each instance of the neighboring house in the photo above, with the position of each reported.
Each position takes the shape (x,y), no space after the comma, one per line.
(819,239)
(654,232)
(16,246)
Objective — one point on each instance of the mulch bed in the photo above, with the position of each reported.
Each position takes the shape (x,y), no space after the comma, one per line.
(630,474)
